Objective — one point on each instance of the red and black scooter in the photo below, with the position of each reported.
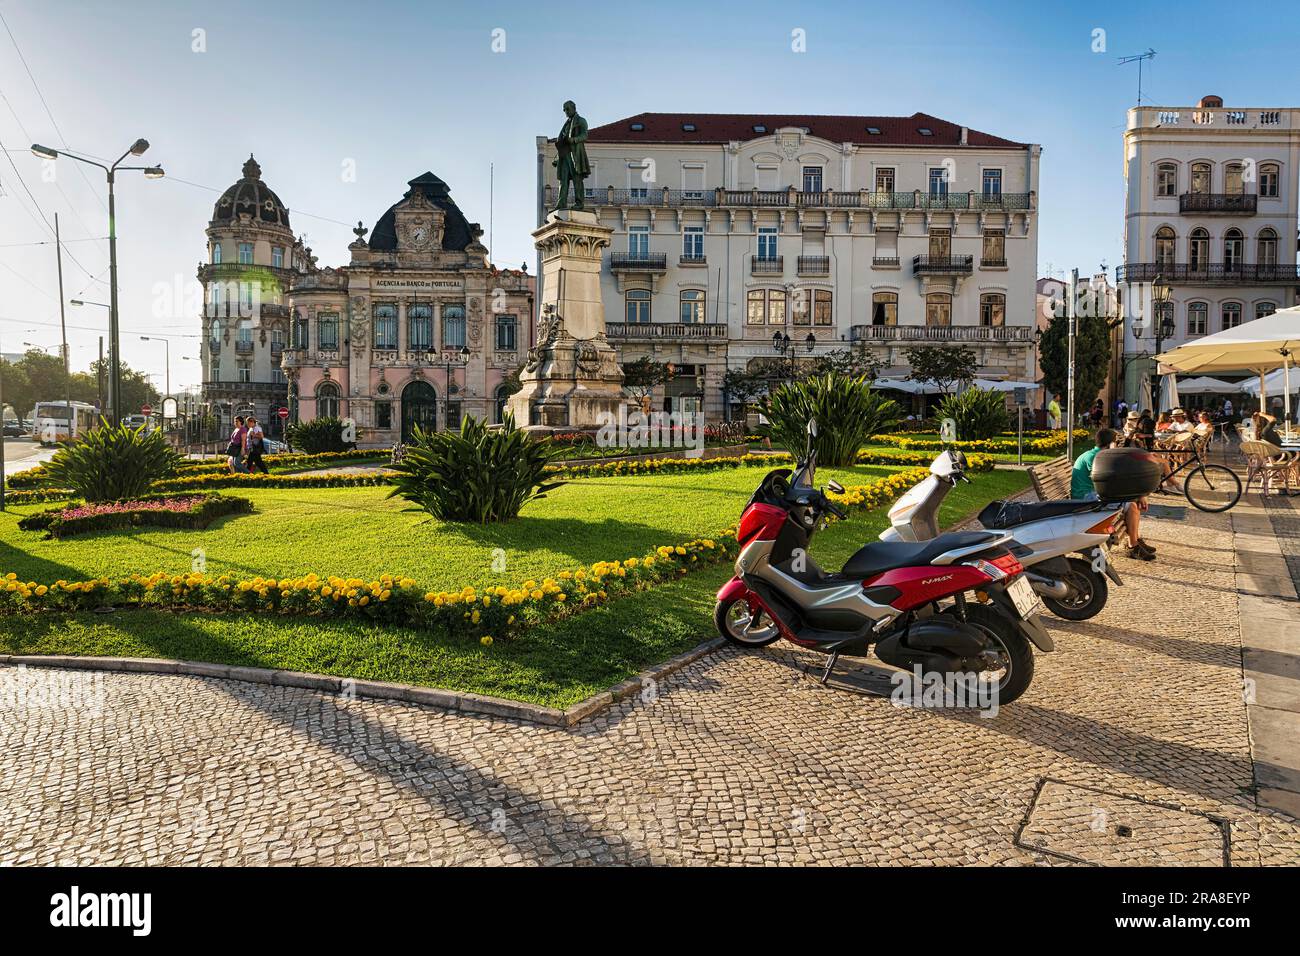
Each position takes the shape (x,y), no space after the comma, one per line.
(956,604)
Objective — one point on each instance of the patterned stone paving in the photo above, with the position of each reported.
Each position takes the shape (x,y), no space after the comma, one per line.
(740,758)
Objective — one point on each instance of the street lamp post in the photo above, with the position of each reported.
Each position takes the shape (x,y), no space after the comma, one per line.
(455,359)
(138,148)
(1162,323)
(783,345)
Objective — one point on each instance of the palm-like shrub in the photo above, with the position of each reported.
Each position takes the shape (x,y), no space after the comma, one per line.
(318,435)
(978,413)
(478,474)
(846,409)
(111,462)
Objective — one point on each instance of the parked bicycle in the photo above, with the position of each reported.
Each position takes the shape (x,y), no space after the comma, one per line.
(1209,487)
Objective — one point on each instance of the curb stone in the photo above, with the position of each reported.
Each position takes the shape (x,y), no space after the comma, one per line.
(379,690)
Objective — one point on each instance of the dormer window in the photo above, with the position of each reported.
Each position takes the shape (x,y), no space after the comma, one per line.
(760,129)
(873,130)
(688,127)
(925,131)
(638,127)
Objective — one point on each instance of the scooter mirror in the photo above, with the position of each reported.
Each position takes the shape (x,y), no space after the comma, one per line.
(812,428)
(835,486)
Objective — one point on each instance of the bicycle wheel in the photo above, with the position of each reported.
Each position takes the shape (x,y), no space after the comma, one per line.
(1212,488)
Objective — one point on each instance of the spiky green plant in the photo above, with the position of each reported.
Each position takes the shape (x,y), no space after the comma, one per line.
(111,462)
(318,435)
(846,409)
(478,474)
(979,413)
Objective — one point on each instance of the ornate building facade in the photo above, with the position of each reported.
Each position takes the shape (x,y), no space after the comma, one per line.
(822,231)
(418,329)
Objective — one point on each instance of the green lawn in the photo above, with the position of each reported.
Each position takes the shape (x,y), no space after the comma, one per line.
(348,529)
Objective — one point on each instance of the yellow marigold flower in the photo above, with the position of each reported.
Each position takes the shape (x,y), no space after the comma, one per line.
(486,640)
(560,597)
(385,595)
(327,591)
(537,595)
(352,602)
(680,550)
(474,617)
(40,591)
(364,601)
(487,601)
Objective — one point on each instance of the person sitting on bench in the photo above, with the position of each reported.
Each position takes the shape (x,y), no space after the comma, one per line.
(1081,487)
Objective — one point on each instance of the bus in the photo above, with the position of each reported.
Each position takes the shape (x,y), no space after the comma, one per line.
(50,421)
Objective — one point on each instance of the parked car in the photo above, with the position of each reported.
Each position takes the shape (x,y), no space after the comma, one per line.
(17,428)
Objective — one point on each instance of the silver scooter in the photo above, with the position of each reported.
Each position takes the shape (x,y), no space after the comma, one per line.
(1062,544)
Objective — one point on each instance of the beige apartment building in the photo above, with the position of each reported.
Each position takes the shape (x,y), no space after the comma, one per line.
(1211,208)
(881,233)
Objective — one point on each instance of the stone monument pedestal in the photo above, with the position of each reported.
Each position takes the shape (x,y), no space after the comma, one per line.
(572,380)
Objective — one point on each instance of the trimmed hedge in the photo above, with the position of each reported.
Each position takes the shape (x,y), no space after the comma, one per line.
(209,508)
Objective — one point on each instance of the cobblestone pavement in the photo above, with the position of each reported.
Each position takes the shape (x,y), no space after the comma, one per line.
(1131,746)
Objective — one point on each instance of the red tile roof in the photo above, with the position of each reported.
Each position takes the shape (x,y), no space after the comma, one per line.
(726,127)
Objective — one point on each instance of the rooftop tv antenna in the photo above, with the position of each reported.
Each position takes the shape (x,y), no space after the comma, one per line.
(1138,58)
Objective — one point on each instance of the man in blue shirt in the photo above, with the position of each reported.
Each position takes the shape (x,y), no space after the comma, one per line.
(1081,487)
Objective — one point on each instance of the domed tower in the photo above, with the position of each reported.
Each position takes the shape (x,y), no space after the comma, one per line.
(251,261)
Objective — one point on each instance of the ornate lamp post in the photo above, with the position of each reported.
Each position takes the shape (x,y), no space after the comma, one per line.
(454,359)
(1162,321)
(783,345)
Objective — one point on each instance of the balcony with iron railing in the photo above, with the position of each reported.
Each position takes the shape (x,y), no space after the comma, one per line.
(244,346)
(942,333)
(638,262)
(1212,273)
(793,198)
(885,262)
(766,265)
(700,260)
(814,265)
(1223,204)
(942,265)
(636,331)
(993,263)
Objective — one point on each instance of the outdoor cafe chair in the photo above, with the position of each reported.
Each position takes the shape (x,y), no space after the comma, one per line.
(1268,463)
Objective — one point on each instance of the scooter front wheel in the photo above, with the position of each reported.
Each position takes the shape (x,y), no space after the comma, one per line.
(743,625)
(1089,593)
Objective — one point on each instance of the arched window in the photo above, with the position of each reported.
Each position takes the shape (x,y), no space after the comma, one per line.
(637,305)
(1266,248)
(1167,179)
(1269,176)
(1201,179)
(1165,241)
(765,305)
(938,309)
(692,306)
(1231,314)
(1198,250)
(327,400)
(214,335)
(1198,318)
(502,397)
(216,253)
(1264,308)
(1233,182)
(993,309)
(1234,249)
(884,308)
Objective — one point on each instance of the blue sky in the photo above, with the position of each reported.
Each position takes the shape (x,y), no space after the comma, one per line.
(401,87)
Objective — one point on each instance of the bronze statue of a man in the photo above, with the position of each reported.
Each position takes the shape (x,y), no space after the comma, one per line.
(571,164)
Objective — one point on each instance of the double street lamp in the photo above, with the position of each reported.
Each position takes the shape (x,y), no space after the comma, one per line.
(151,172)
(1162,326)
(452,359)
(782,344)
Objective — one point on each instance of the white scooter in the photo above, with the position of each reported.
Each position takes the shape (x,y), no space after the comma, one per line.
(1062,544)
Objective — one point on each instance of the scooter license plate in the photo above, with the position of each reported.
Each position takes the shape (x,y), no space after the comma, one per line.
(1023,596)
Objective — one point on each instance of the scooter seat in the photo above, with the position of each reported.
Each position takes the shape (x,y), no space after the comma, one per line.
(1007,514)
(882,556)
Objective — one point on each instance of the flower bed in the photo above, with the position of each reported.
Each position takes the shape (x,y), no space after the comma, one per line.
(1053,442)
(483,615)
(195,511)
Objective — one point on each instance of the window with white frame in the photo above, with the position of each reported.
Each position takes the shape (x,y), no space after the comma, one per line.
(1201,179)
(1264,308)
(245,331)
(1233,182)
(1165,246)
(692,307)
(1198,318)
(812,179)
(636,306)
(693,243)
(939,181)
(994,252)
(1234,249)
(885,179)
(1231,313)
(1269,176)
(765,306)
(938,309)
(638,180)
(767,242)
(638,241)
(216,253)
(277,257)
(1266,247)
(507,327)
(992,183)
(214,370)
(884,308)
(1167,180)
(245,253)
(1198,250)
(993,309)
(244,370)
(693,180)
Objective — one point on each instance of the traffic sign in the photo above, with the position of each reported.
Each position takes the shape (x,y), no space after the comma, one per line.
(283,412)
(146,410)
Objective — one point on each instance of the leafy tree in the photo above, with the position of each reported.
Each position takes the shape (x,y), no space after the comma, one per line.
(16,388)
(978,413)
(743,385)
(941,365)
(1091,358)
(641,376)
(854,361)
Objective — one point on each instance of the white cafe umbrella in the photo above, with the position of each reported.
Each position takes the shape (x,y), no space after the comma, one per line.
(1259,346)
(1204,385)
(999,385)
(1144,393)
(1168,392)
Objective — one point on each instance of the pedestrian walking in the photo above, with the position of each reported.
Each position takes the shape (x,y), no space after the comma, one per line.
(255,444)
(1054,412)
(235,450)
